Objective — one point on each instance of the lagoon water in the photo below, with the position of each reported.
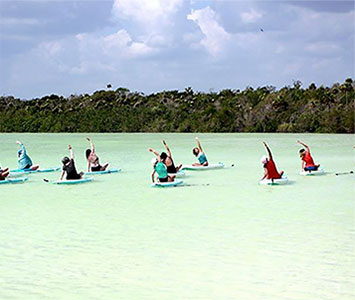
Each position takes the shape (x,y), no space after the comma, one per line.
(220,237)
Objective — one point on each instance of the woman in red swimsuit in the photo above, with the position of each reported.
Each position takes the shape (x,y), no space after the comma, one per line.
(307,160)
(270,171)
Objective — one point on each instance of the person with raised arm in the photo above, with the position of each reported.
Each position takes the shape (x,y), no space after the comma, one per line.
(270,171)
(4,173)
(160,168)
(167,159)
(23,160)
(307,160)
(201,156)
(69,167)
(93,159)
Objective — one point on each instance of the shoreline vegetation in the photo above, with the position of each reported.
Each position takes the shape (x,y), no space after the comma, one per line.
(264,109)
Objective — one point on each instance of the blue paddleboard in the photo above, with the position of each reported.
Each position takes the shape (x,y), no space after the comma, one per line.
(29,171)
(167,184)
(15,180)
(76,181)
(103,172)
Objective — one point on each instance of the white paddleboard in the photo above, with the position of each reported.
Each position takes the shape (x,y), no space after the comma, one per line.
(320,171)
(203,168)
(281,181)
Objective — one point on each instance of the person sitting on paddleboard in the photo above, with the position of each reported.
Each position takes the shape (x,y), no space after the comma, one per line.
(307,160)
(23,160)
(167,159)
(69,167)
(93,159)
(201,156)
(270,171)
(160,168)
(4,173)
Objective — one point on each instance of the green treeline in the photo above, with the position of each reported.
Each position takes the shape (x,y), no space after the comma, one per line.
(265,109)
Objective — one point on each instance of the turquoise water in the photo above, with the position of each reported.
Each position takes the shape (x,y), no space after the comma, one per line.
(222,236)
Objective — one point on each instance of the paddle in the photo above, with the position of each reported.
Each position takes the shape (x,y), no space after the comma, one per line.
(344,173)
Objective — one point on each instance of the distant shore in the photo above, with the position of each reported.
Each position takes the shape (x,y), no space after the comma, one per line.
(265,109)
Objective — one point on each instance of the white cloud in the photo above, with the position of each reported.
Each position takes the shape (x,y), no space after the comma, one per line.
(251,16)
(145,11)
(215,35)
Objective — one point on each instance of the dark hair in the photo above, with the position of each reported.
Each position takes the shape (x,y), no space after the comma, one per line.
(87,153)
(163,156)
(195,151)
(65,160)
(302,150)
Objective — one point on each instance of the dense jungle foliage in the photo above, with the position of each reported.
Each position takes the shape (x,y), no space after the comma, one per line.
(265,109)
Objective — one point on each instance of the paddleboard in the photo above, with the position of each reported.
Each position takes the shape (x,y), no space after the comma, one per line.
(203,168)
(103,172)
(179,174)
(283,180)
(29,171)
(167,184)
(15,180)
(77,181)
(320,171)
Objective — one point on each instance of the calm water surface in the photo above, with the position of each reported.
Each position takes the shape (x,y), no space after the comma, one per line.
(221,237)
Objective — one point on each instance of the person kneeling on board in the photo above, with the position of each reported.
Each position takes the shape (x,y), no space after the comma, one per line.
(4,173)
(23,160)
(160,169)
(201,156)
(69,167)
(270,171)
(307,160)
(93,159)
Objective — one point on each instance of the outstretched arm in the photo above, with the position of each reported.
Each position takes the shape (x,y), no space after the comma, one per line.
(268,150)
(167,148)
(61,176)
(71,152)
(304,145)
(91,144)
(198,144)
(153,176)
(154,151)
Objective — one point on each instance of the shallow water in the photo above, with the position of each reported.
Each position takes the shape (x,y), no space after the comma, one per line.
(221,236)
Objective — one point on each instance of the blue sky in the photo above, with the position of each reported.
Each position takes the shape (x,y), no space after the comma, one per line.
(73,47)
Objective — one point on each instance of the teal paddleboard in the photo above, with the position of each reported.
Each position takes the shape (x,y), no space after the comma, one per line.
(15,180)
(103,172)
(167,184)
(69,182)
(29,171)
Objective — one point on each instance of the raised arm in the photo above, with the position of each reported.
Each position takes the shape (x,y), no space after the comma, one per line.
(268,150)
(91,144)
(167,148)
(22,147)
(198,144)
(154,151)
(71,152)
(304,145)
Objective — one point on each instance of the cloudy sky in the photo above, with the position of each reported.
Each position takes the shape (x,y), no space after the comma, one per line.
(72,47)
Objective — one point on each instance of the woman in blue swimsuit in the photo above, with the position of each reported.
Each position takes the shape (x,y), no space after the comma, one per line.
(201,156)
(24,161)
